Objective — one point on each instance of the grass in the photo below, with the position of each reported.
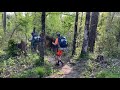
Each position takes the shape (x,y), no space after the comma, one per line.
(21,64)
(37,72)
(112,72)
(108,74)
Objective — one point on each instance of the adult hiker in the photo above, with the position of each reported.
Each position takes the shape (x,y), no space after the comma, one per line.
(56,43)
(34,40)
(61,45)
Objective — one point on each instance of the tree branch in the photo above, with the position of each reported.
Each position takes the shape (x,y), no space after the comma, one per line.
(14,31)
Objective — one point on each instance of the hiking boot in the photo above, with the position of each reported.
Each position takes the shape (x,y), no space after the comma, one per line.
(57,64)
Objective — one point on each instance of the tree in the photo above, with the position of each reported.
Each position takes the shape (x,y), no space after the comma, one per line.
(86,29)
(42,37)
(79,31)
(81,22)
(75,34)
(53,23)
(92,32)
(34,23)
(4,21)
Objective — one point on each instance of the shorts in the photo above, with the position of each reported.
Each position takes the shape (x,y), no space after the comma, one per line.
(59,53)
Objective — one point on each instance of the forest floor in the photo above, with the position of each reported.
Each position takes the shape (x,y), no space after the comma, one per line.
(72,68)
(87,69)
(68,70)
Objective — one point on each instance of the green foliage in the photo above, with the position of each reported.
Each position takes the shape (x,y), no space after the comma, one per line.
(53,23)
(88,56)
(112,70)
(85,56)
(26,74)
(107,41)
(38,72)
(11,62)
(37,62)
(2,52)
(21,67)
(12,48)
(43,71)
(107,74)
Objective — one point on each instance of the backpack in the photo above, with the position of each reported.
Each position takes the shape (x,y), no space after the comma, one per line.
(36,39)
(62,42)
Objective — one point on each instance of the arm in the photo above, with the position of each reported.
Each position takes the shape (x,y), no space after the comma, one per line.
(56,42)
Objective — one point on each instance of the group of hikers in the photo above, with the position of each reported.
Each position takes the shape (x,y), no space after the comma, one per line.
(60,44)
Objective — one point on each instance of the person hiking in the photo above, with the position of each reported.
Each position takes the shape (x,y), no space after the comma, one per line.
(60,44)
(56,43)
(33,40)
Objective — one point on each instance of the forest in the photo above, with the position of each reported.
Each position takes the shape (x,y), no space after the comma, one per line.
(59,44)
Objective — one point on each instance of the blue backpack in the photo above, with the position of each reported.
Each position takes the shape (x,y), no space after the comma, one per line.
(36,38)
(62,42)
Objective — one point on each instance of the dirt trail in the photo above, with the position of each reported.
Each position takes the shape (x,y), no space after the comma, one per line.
(69,70)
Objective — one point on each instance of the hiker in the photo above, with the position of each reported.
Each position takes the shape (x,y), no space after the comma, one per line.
(56,43)
(34,40)
(60,45)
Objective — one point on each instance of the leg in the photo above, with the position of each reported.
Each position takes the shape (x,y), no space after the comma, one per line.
(59,59)
(32,47)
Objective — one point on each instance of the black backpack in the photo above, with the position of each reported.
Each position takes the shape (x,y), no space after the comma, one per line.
(62,42)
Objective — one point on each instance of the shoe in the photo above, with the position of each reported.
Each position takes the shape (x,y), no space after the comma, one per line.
(57,64)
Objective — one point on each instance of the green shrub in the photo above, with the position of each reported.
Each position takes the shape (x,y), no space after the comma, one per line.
(37,62)
(40,71)
(26,74)
(101,75)
(2,52)
(86,56)
(108,74)
(12,48)
(11,62)
(48,70)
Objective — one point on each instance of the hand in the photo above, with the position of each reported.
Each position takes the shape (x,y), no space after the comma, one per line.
(52,42)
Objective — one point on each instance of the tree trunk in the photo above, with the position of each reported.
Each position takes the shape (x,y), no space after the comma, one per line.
(75,33)
(81,23)
(43,38)
(86,29)
(80,28)
(34,20)
(112,16)
(92,32)
(26,34)
(109,20)
(4,22)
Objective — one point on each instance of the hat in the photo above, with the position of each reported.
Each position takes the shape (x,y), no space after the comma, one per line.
(58,34)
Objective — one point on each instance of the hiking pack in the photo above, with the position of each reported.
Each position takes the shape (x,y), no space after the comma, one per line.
(62,42)
(36,39)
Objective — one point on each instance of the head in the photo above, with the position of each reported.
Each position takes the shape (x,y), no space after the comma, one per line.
(32,33)
(58,34)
